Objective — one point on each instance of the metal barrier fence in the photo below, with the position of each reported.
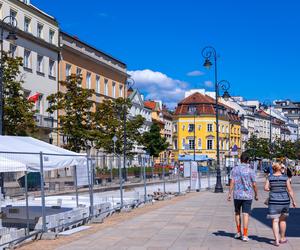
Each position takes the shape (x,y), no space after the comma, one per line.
(38,200)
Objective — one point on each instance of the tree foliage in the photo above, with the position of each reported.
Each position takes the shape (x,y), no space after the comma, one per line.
(18,113)
(261,148)
(258,147)
(75,105)
(109,122)
(153,141)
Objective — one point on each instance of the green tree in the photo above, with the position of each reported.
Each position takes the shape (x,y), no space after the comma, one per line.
(18,115)
(283,149)
(297,149)
(109,122)
(76,117)
(153,141)
(258,147)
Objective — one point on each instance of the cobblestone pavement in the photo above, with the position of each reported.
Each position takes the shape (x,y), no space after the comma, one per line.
(201,221)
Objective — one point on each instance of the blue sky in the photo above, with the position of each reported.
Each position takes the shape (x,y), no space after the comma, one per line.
(161,41)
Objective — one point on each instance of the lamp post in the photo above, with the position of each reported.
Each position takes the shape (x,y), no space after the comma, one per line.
(129,83)
(193,111)
(11,37)
(210,53)
(114,139)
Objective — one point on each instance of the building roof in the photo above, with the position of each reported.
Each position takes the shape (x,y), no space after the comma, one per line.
(204,105)
(197,98)
(263,114)
(75,38)
(167,114)
(150,104)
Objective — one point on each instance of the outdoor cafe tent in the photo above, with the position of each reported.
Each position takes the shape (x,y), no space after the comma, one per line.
(20,153)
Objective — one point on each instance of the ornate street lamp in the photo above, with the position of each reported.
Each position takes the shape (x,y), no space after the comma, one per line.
(210,53)
(11,37)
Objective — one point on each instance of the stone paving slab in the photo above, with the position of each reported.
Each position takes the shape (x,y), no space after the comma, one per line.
(202,221)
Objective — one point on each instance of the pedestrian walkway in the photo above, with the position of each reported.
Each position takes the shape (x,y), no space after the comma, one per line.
(198,221)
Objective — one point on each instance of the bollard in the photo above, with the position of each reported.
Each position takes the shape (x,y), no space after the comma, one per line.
(199,179)
(190,175)
(44,229)
(164,180)
(27,205)
(121,183)
(178,179)
(145,184)
(76,185)
(208,178)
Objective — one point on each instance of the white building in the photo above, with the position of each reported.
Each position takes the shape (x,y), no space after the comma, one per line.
(138,108)
(37,44)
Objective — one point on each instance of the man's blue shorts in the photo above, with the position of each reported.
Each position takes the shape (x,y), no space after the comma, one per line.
(244,204)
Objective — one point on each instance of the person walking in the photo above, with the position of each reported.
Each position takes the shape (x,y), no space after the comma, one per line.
(280,194)
(244,189)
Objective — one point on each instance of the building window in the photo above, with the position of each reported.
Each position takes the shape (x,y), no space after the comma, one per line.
(191,143)
(68,70)
(191,127)
(105,87)
(40,30)
(175,144)
(13,50)
(98,84)
(78,71)
(183,143)
(199,127)
(51,68)
(51,36)
(209,144)
(39,64)
(121,91)
(27,22)
(13,14)
(175,128)
(199,143)
(1,10)
(114,89)
(88,80)
(26,60)
(209,127)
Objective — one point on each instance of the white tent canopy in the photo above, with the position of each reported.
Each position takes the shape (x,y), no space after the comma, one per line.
(19,153)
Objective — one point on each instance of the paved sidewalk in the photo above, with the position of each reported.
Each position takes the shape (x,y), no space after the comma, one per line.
(201,221)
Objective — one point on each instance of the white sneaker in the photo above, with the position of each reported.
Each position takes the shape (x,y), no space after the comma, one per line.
(245,238)
(237,236)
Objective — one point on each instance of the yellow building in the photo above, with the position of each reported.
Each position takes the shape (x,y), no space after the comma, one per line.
(195,128)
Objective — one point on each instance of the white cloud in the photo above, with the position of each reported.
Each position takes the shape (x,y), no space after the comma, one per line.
(208,84)
(158,86)
(195,73)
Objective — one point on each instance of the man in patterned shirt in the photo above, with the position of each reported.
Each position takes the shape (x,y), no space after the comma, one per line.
(243,186)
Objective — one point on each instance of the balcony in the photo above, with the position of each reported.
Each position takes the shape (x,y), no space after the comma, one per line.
(43,121)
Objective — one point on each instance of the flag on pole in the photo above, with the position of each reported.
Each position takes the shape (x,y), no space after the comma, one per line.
(34,98)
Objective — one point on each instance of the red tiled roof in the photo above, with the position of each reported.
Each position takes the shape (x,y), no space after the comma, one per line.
(197,98)
(233,117)
(150,104)
(204,104)
(263,113)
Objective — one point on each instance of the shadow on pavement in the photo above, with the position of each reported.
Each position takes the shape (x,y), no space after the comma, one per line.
(252,237)
(293,220)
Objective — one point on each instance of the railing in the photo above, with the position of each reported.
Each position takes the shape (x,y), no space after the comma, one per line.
(44,121)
